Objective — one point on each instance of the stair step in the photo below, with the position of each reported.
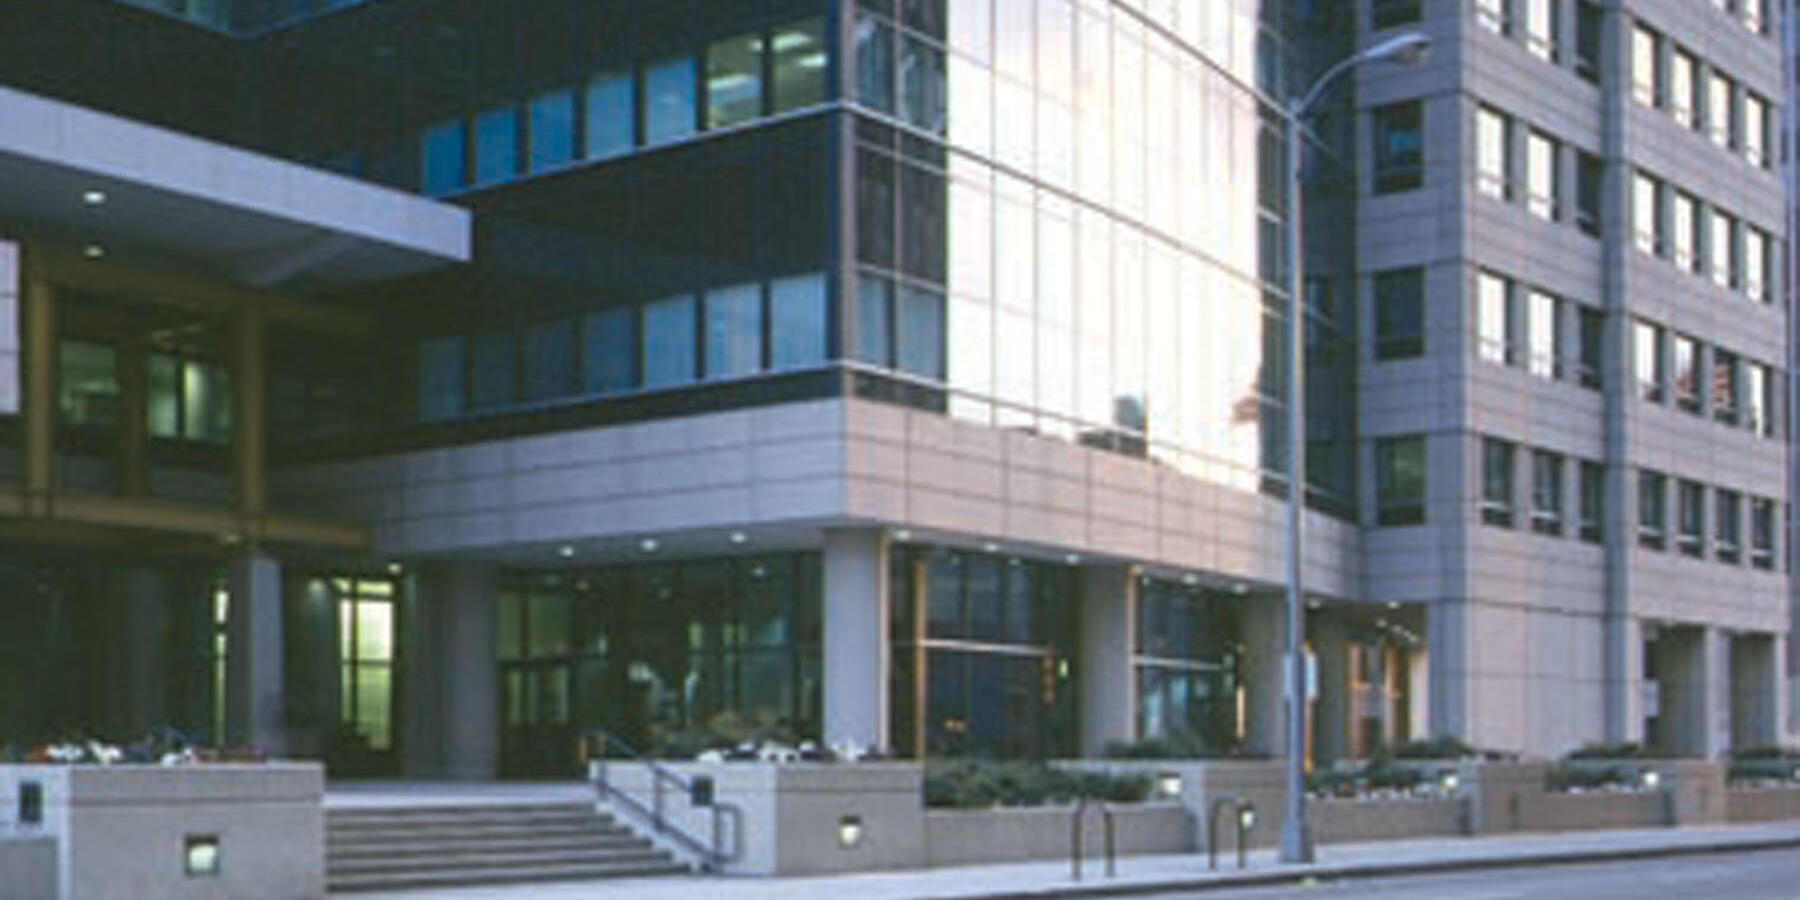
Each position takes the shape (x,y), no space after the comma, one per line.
(413,844)
(494,859)
(415,813)
(456,877)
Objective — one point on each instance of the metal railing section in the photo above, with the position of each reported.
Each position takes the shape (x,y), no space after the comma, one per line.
(724,845)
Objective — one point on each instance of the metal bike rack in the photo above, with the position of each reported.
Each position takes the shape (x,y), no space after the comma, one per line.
(1106,819)
(1244,818)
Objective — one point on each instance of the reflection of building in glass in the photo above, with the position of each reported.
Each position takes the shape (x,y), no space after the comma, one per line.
(906,373)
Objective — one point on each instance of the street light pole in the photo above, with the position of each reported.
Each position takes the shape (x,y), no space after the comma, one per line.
(1296,837)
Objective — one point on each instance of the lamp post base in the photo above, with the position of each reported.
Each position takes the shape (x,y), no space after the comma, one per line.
(1296,843)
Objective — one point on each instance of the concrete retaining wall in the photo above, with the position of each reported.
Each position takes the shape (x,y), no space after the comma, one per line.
(1595,810)
(1771,804)
(27,868)
(1337,821)
(965,837)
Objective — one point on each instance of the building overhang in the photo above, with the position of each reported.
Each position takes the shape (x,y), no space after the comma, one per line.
(122,190)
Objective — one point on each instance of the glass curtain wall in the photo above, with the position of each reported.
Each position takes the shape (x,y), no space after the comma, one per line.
(1070,215)
(671,658)
(1189,645)
(984,655)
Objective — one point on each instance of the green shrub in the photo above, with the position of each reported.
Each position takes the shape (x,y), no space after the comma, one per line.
(1445,747)
(979,784)
(1607,751)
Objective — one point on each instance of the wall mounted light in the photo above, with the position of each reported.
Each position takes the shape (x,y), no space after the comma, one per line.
(1168,784)
(93,251)
(648,545)
(1651,779)
(738,537)
(849,831)
(1449,783)
(200,856)
(565,551)
(93,197)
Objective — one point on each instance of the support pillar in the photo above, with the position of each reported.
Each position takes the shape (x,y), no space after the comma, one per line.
(249,429)
(140,624)
(1447,634)
(1756,681)
(1331,720)
(856,650)
(1109,696)
(39,318)
(1265,677)
(452,694)
(255,689)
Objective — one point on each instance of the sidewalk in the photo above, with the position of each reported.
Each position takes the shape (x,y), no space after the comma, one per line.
(1154,874)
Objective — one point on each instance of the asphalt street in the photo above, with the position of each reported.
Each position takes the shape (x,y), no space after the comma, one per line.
(1765,875)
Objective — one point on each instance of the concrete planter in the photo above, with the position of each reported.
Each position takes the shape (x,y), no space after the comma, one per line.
(1346,820)
(1767,804)
(27,868)
(125,831)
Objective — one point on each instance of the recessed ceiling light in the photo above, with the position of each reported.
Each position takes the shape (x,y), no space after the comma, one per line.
(738,537)
(1073,559)
(1393,605)
(393,568)
(648,545)
(903,534)
(990,547)
(565,551)
(1240,589)
(1190,579)
(93,251)
(93,197)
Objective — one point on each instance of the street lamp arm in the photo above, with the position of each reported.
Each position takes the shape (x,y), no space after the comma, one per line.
(1407,47)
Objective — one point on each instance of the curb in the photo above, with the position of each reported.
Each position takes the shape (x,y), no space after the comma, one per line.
(1294,876)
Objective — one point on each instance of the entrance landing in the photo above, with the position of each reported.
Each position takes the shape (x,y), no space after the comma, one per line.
(413,794)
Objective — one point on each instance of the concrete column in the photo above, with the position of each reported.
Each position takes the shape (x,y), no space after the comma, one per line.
(249,431)
(1755,692)
(39,318)
(1109,696)
(255,692)
(1265,676)
(451,711)
(856,651)
(139,601)
(1715,646)
(1331,719)
(1447,634)
(1692,668)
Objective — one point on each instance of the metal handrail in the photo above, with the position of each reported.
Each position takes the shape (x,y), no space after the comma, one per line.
(1106,818)
(712,856)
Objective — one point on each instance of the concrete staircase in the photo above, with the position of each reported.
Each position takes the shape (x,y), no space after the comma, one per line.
(375,848)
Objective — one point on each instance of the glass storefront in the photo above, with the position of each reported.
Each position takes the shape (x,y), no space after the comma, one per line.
(983,655)
(1189,646)
(668,657)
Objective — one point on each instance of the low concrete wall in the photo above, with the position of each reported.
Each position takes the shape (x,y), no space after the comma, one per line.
(965,837)
(1337,821)
(1770,804)
(27,868)
(1595,810)
(121,831)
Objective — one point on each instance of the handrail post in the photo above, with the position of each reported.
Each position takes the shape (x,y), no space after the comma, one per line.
(1106,815)
(1075,841)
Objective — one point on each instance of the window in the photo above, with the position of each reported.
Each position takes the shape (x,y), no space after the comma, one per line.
(87,384)
(1496,337)
(189,399)
(922,85)
(800,65)
(1546,492)
(1497,482)
(734,331)
(874,63)
(1648,341)
(1588,28)
(1756,264)
(1399,147)
(1392,13)
(1544,335)
(496,146)
(552,130)
(1543,185)
(1721,109)
(1653,511)
(1687,373)
(1590,183)
(1725,386)
(1724,255)
(669,107)
(1758,399)
(610,350)
(1591,343)
(1400,480)
(797,319)
(441,378)
(493,371)
(1646,68)
(874,315)
(1491,14)
(1756,130)
(1492,149)
(446,163)
(1728,526)
(668,353)
(1755,14)
(1685,225)
(734,80)
(611,114)
(1400,313)
(919,333)
(1541,29)
(1593,501)
(1646,214)
(1683,99)
(1690,511)
(550,369)
(1762,533)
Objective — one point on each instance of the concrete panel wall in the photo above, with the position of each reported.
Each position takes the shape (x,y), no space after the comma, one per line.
(27,868)
(1345,821)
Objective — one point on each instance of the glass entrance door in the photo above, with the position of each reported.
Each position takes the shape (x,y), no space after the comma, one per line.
(365,743)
